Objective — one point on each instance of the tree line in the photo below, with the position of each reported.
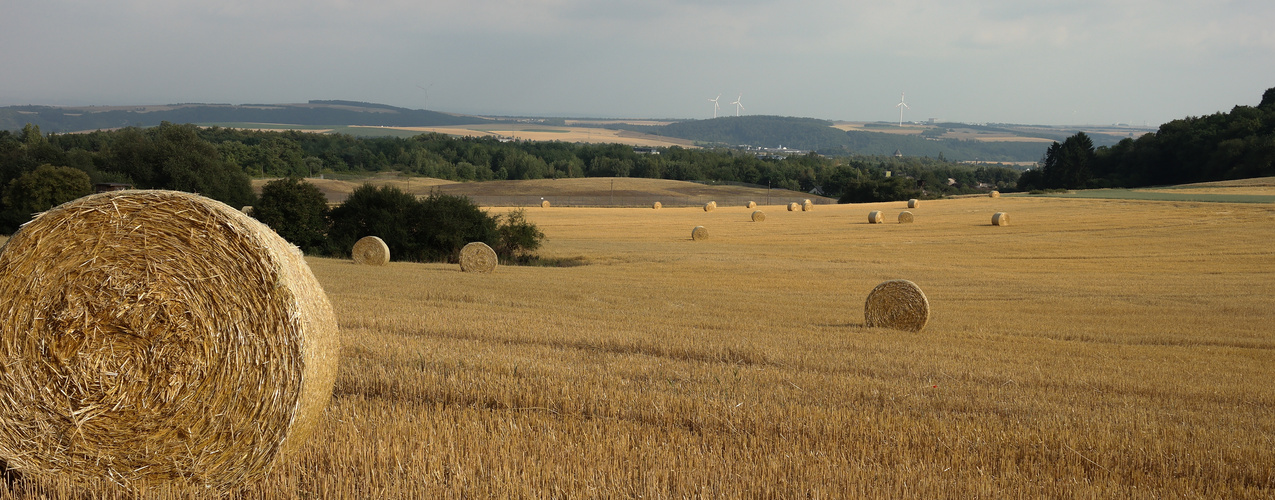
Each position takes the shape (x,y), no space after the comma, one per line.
(220,162)
(1235,145)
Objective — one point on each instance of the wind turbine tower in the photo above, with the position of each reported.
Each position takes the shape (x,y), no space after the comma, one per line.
(715,105)
(901,105)
(738,105)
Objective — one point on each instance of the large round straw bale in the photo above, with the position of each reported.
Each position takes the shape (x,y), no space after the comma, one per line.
(544,204)
(897,304)
(750,204)
(710,206)
(657,205)
(793,207)
(477,257)
(905,217)
(1000,219)
(994,194)
(157,336)
(699,233)
(759,216)
(807,206)
(875,217)
(370,250)
(912,203)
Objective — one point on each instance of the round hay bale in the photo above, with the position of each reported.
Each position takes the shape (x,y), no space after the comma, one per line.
(371,251)
(897,304)
(544,204)
(710,206)
(912,203)
(875,217)
(247,210)
(657,205)
(807,206)
(1000,219)
(759,216)
(905,217)
(699,233)
(793,207)
(477,257)
(751,204)
(994,194)
(153,337)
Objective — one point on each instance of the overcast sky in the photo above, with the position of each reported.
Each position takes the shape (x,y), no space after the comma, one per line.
(1010,61)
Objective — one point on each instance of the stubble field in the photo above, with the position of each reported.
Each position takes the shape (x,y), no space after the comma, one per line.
(1093,348)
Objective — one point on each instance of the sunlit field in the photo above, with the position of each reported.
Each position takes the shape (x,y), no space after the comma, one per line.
(1092,348)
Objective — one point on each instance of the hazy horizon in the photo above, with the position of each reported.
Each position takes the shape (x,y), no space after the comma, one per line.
(972,61)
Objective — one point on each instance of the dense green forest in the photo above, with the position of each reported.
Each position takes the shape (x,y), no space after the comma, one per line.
(219,162)
(1235,145)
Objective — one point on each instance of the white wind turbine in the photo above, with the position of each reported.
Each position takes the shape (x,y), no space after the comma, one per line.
(901,105)
(738,105)
(715,105)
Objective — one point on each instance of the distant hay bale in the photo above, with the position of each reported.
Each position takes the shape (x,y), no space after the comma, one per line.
(994,194)
(897,304)
(912,203)
(710,206)
(247,210)
(905,217)
(370,251)
(875,217)
(699,233)
(807,206)
(1000,219)
(759,216)
(751,204)
(154,337)
(477,257)
(793,207)
(544,204)
(657,205)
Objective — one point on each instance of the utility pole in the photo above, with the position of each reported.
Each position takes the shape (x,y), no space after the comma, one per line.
(613,192)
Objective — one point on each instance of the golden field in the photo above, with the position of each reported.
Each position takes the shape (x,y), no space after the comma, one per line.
(1091,349)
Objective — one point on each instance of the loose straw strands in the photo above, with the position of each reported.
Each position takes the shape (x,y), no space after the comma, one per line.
(157,336)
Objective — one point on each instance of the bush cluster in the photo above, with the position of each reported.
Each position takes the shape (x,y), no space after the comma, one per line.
(430,229)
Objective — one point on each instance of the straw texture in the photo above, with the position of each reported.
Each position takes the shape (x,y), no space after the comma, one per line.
(699,233)
(759,216)
(156,336)
(1000,219)
(657,205)
(793,207)
(897,304)
(912,203)
(875,217)
(905,217)
(751,204)
(371,251)
(477,257)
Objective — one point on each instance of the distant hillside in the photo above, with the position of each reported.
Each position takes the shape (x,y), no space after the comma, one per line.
(820,136)
(74,119)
